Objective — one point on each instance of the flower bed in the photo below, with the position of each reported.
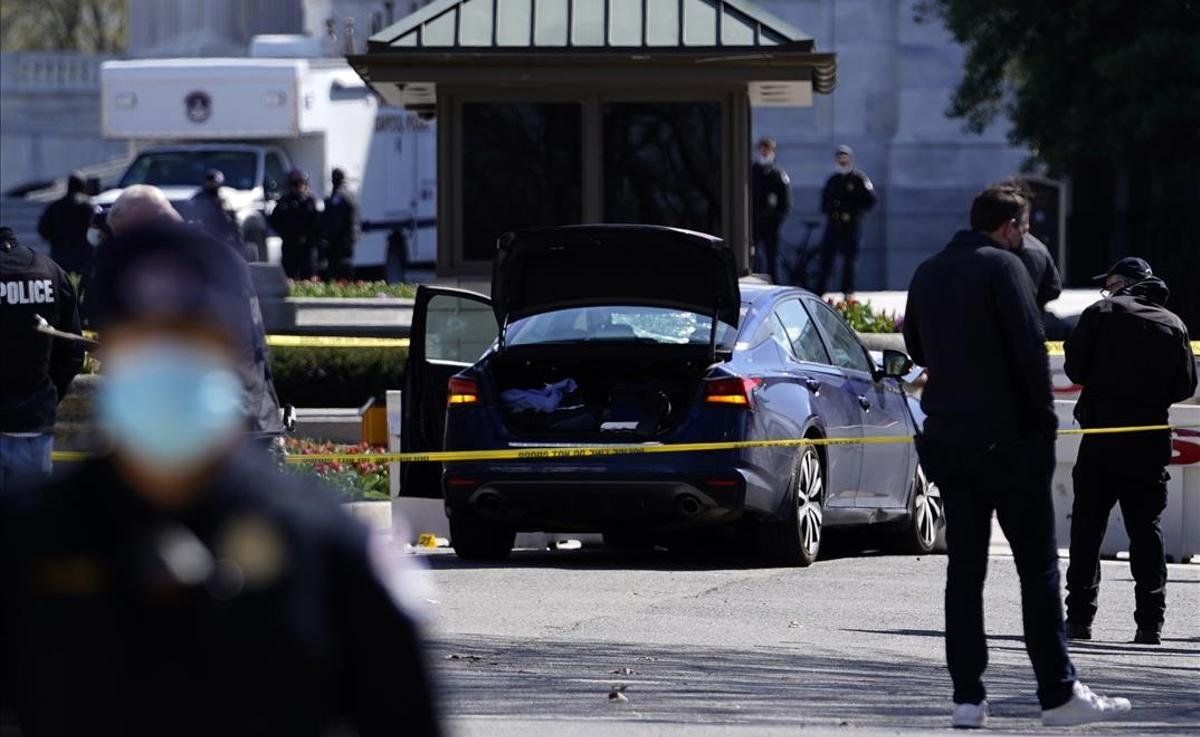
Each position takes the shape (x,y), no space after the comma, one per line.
(364,479)
(349,289)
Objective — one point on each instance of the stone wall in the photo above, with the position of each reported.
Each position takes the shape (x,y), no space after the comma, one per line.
(895,78)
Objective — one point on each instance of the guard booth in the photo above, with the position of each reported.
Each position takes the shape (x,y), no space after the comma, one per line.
(554,112)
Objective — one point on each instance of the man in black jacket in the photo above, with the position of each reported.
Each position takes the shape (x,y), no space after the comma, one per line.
(847,196)
(298,223)
(1134,359)
(36,370)
(988,443)
(770,202)
(184,585)
(339,222)
(64,225)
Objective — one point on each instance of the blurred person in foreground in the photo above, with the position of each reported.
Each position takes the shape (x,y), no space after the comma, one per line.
(36,370)
(988,443)
(64,225)
(1133,358)
(181,585)
(144,205)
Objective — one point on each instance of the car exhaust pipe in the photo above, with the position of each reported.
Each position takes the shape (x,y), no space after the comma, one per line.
(490,503)
(688,505)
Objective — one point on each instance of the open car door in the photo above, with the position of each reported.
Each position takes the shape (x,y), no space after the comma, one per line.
(451,329)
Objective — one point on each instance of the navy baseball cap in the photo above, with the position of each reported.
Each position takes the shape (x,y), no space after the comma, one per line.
(171,271)
(843,149)
(1129,267)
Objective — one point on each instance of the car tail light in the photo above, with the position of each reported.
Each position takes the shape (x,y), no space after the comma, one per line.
(735,390)
(462,482)
(462,391)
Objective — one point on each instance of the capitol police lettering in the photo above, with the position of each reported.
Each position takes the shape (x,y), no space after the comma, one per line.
(36,370)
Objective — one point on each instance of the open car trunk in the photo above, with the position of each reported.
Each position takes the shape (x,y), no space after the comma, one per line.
(614,395)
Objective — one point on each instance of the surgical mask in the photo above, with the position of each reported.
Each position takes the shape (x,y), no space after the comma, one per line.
(168,404)
(95,237)
(765,160)
(845,169)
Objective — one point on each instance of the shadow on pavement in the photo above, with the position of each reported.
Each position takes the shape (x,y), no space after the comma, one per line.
(571,680)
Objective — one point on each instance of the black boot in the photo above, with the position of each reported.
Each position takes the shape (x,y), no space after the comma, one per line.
(1079,631)
(1147,637)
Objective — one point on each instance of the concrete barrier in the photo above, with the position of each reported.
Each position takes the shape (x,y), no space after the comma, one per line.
(1180,521)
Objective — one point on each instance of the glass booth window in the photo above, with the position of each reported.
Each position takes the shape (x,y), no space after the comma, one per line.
(662,164)
(522,167)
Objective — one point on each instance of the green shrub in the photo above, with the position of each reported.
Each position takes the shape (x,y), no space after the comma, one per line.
(335,377)
(349,289)
(863,318)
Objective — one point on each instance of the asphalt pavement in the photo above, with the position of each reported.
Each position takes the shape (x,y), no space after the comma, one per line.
(709,643)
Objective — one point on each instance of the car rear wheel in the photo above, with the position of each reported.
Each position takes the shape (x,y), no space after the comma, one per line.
(796,540)
(925,529)
(479,540)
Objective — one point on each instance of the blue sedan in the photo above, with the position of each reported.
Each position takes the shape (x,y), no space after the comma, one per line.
(643,335)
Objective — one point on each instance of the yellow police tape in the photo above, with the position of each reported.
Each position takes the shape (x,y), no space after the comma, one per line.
(331,341)
(599,451)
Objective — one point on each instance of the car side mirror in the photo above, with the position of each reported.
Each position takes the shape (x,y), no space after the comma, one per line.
(271,189)
(896,364)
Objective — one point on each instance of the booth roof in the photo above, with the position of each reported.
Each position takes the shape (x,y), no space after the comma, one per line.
(558,24)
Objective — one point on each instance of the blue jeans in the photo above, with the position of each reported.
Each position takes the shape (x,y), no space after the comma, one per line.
(24,460)
(1012,480)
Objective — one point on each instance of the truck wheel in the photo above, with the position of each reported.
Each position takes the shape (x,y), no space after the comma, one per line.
(256,246)
(474,539)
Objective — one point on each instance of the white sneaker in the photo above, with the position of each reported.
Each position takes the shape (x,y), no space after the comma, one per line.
(1085,706)
(970,716)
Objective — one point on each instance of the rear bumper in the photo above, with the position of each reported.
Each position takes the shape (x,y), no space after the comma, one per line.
(582,502)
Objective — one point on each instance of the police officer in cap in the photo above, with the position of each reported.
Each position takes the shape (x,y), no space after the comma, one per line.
(183,585)
(771,201)
(36,369)
(298,222)
(847,196)
(340,224)
(1133,358)
(210,211)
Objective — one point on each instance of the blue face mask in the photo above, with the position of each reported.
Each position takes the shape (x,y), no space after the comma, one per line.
(168,404)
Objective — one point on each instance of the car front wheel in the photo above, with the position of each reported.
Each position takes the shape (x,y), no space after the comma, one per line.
(478,540)
(796,540)
(925,529)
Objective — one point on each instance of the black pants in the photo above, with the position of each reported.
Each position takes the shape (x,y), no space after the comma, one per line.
(840,237)
(1142,497)
(1013,480)
(766,250)
(299,260)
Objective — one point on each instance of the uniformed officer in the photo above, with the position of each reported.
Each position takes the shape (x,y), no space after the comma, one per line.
(209,209)
(771,201)
(64,225)
(339,223)
(36,370)
(1133,358)
(183,585)
(297,221)
(988,443)
(847,196)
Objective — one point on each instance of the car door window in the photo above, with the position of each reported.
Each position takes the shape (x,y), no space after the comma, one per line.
(843,344)
(458,330)
(802,336)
